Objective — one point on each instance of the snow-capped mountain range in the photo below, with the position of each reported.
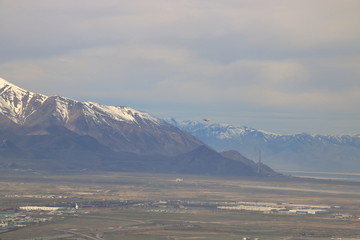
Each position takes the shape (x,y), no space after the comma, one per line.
(120,128)
(308,152)
(55,132)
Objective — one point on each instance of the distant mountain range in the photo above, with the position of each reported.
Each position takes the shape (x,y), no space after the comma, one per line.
(42,132)
(302,152)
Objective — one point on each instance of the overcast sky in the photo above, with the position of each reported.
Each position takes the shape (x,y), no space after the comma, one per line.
(286,66)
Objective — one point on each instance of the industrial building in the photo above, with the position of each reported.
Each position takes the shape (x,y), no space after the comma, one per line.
(40,208)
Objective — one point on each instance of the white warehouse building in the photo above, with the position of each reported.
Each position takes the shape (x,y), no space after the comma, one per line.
(39,208)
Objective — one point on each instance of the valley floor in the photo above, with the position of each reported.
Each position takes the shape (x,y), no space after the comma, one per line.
(103,205)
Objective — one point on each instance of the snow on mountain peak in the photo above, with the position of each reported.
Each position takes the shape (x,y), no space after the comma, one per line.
(18,104)
(3,82)
(218,130)
(15,101)
(127,114)
(5,85)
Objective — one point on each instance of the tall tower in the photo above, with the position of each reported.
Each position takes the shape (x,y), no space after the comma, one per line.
(259,164)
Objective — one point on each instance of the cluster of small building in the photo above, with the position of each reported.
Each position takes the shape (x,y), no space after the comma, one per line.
(343,216)
(11,221)
(35,196)
(284,208)
(22,219)
(28,215)
(264,207)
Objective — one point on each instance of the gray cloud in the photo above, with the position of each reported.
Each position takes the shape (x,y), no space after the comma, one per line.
(239,61)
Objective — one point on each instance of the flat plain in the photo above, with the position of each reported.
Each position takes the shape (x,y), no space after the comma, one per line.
(107,205)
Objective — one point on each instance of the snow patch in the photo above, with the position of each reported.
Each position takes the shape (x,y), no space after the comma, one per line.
(122,114)
(62,109)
